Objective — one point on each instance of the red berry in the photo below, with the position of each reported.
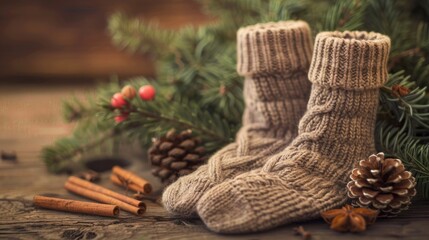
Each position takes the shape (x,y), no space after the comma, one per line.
(118,101)
(120,118)
(147,92)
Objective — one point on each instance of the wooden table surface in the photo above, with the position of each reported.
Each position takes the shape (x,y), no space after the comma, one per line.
(30,118)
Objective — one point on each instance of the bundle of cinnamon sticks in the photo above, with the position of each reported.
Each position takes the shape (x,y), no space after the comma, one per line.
(112,201)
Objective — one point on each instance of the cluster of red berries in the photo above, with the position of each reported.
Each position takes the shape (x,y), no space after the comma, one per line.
(121,99)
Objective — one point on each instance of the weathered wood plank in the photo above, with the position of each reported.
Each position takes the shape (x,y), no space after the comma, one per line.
(68,40)
(18,215)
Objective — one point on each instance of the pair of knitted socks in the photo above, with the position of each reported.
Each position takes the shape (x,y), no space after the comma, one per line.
(287,166)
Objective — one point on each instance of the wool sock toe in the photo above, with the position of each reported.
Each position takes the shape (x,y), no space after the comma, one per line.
(249,203)
(180,198)
(225,201)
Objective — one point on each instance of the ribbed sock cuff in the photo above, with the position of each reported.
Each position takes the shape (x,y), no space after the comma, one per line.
(274,47)
(350,60)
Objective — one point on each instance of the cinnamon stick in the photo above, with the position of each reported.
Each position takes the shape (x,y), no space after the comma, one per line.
(67,205)
(103,198)
(145,186)
(115,179)
(105,191)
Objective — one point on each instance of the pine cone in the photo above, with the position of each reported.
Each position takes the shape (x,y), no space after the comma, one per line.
(381,184)
(175,155)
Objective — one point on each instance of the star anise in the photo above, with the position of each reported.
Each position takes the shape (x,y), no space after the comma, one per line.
(349,219)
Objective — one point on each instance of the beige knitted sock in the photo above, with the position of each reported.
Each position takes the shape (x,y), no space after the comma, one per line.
(310,175)
(274,59)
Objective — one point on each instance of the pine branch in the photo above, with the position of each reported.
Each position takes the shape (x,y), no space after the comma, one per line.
(423,5)
(205,74)
(388,17)
(156,117)
(344,15)
(75,110)
(396,59)
(420,73)
(90,132)
(410,111)
(137,35)
(64,155)
(226,11)
(252,11)
(423,36)
(403,126)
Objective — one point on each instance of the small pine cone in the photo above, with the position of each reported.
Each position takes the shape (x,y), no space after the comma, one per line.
(176,154)
(382,184)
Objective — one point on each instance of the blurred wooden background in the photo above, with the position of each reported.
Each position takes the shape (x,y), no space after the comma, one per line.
(67,41)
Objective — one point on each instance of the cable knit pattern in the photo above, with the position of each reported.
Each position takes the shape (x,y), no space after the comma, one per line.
(310,175)
(274,59)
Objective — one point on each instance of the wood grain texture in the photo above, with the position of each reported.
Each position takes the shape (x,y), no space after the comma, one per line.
(19,182)
(68,40)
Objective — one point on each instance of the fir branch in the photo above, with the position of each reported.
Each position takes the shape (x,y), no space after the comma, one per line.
(204,70)
(403,126)
(252,11)
(182,124)
(226,10)
(164,114)
(75,110)
(387,17)
(59,157)
(395,59)
(282,10)
(137,35)
(422,35)
(423,5)
(344,15)
(420,73)
(410,111)
(90,131)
